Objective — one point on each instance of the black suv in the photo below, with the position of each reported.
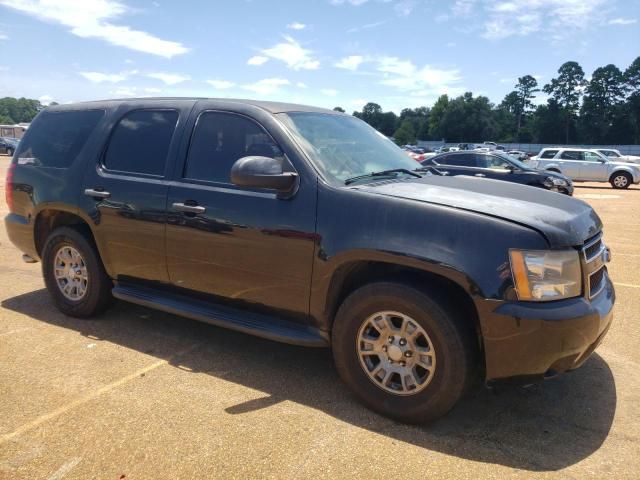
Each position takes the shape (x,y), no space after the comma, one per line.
(307,226)
(499,166)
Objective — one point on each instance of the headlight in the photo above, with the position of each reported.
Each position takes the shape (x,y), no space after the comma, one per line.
(541,275)
(554,182)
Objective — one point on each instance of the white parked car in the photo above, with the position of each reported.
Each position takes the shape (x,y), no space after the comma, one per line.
(584,165)
(616,156)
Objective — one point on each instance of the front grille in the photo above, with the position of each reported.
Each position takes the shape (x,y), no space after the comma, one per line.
(593,247)
(597,281)
(595,260)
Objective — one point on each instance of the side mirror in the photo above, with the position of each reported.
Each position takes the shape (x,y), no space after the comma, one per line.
(263,172)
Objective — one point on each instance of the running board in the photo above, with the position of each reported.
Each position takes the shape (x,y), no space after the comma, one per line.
(222,316)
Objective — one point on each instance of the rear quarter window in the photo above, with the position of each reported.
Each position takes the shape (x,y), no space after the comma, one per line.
(140,142)
(549,154)
(55,139)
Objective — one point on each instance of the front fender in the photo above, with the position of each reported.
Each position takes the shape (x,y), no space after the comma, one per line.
(467,248)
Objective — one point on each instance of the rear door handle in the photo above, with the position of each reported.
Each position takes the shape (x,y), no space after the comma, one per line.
(182,207)
(92,192)
(480,175)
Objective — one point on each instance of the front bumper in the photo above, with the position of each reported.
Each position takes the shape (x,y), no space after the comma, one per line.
(528,341)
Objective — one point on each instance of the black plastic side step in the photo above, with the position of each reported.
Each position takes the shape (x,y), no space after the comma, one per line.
(222,316)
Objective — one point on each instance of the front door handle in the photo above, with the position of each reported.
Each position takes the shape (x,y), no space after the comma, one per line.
(480,175)
(92,192)
(182,207)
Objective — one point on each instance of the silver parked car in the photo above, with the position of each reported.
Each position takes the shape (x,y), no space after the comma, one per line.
(584,165)
(616,156)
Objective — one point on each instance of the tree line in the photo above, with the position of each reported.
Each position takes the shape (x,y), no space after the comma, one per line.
(602,110)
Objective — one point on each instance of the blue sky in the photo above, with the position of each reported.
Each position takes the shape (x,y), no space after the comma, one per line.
(398,53)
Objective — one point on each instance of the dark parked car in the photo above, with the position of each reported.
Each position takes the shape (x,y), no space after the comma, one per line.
(306,226)
(499,166)
(8,145)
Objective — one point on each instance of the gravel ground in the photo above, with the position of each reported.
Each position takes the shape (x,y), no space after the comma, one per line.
(139,394)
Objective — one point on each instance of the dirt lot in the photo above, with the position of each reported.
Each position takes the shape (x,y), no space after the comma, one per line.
(141,394)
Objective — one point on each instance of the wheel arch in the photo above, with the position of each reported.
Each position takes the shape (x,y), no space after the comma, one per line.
(50,218)
(450,287)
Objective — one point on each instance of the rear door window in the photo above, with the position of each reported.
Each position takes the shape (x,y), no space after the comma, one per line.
(549,154)
(55,139)
(219,139)
(140,142)
(461,160)
(572,155)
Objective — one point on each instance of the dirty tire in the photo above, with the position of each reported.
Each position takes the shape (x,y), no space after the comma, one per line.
(621,180)
(452,342)
(98,292)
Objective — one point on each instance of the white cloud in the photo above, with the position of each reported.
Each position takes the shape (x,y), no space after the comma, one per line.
(293,55)
(297,26)
(93,19)
(266,86)
(100,77)
(152,90)
(404,7)
(221,84)
(463,8)
(450,44)
(561,18)
(350,63)
(301,85)
(622,21)
(169,78)
(427,80)
(329,92)
(366,26)
(45,99)
(4,36)
(355,3)
(257,60)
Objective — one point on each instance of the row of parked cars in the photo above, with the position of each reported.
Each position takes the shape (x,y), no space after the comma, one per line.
(306,226)
(553,168)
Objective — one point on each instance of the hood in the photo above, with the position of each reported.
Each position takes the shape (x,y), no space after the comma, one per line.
(564,221)
(625,163)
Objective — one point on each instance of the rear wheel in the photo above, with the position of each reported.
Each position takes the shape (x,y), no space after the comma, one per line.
(403,353)
(74,274)
(620,180)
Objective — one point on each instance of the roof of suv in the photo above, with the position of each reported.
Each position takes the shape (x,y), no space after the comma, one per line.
(271,107)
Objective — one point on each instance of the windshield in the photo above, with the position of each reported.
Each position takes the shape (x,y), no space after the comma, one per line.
(343,147)
(514,161)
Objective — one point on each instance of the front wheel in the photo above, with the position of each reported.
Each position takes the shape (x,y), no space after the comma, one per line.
(621,180)
(404,354)
(10,152)
(74,274)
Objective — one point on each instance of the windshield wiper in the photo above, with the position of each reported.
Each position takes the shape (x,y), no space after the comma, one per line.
(382,173)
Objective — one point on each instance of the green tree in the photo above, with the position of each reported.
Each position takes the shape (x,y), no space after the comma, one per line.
(566,90)
(436,115)
(549,123)
(338,109)
(603,97)
(405,134)
(525,91)
(384,122)
(17,110)
(632,90)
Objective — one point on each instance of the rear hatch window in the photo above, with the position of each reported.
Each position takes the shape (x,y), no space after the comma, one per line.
(55,139)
